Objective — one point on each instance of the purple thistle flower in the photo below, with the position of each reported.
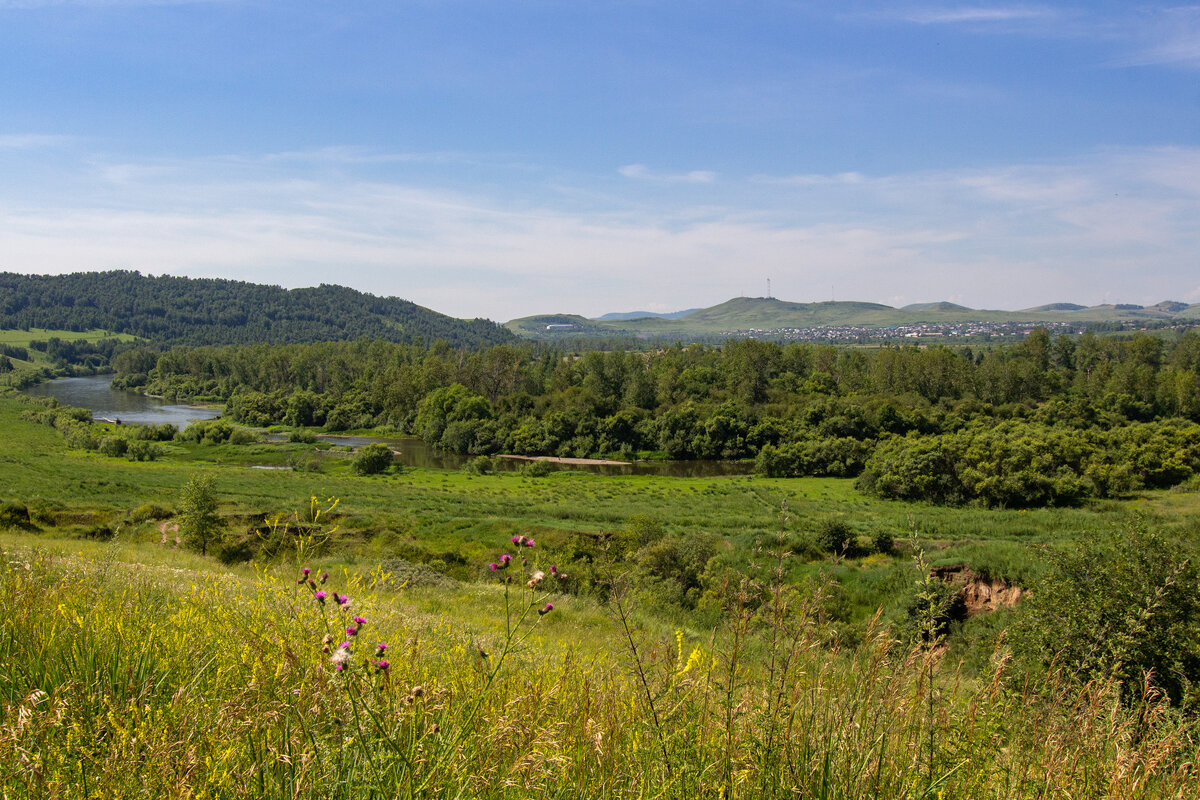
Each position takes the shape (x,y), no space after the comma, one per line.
(342,600)
(529,542)
(382,664)
(344,645)
(493,566)
(352,631)
(324,577)
(300,581)
(306,570)
(553,570)
(320,597)
(549,607)
(381,647)
(504,559)
(360,620)
(516,540)
(339,667)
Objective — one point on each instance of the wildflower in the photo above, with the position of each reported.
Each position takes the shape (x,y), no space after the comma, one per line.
(352,631)
(493,566)
(380,648)
(505,560)
(324,577)
(554,570)
(382,665)
(299,581)
(536,579)
(543,611)
(342,600)
(529,542)
(306,570)
(517,540)
(344,645)
(360,621)
(340,658)
(320,597)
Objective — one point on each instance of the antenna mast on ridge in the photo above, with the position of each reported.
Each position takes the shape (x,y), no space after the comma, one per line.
(768,288)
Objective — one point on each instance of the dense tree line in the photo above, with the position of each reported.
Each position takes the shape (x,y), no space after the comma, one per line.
(1048,421)
(211,311)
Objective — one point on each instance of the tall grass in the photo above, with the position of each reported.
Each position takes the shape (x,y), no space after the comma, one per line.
(120,680)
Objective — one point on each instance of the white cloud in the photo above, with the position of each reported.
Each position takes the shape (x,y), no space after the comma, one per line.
(976,14)
(1120,221)
(811,180)
(642,173)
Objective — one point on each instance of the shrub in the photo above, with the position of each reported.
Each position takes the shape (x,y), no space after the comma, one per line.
(140,450)
(835,535)
(148,511)
(480,465)
(1122,605)
(113,446)
(373,459)
(242,436)
(14,515)
(883,541)
(537,469)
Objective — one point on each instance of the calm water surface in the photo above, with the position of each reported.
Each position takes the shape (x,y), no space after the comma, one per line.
(95,394)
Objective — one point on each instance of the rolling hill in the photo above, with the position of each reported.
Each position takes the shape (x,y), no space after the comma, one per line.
(762,314)
(174,310)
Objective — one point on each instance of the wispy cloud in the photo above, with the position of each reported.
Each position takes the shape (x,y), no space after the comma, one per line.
(1121,222)
(642,173)
(811,180)
(974,14)
(1168,37)
(32,141)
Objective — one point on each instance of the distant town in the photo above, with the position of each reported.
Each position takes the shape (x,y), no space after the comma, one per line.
(857,334)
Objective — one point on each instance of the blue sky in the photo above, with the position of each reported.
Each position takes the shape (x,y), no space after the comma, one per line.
(499,159)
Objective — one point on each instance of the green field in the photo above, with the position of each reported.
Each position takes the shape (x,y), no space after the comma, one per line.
(23,338)
(133,667)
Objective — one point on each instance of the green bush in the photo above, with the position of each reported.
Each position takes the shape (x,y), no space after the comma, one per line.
(1124,606)
(141,450)
(373,459)
(113,446)
(14,515)
(148,511)
(241,436)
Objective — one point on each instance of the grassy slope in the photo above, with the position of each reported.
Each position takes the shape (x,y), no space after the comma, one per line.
(23,338)
(167,675)
(453,518)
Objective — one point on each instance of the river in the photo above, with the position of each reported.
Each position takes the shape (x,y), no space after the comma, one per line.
(95,394)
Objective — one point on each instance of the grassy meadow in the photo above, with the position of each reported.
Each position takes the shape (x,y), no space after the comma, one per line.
(133,667)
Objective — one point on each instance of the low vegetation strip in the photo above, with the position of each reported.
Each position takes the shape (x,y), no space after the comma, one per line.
(120,682)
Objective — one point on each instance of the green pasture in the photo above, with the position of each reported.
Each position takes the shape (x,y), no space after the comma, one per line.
(22,338)
(452,521)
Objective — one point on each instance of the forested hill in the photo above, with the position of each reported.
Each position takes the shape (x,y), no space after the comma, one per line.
(215,311)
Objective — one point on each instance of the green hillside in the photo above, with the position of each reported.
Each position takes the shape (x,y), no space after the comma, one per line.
(213,311)
(743,314)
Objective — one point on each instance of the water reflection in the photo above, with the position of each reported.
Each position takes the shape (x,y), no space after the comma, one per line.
(95,393)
